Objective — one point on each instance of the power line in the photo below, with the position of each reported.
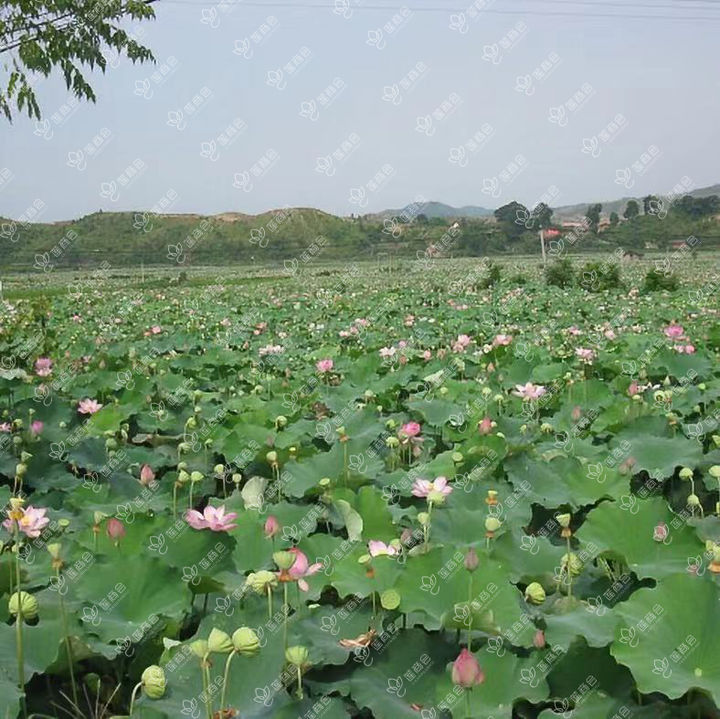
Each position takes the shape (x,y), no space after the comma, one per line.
(494,11)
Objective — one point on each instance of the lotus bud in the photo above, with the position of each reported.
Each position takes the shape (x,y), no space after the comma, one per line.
(471,560)
(492,524)
(686,473)
(466,671)
(423,518)
(534,593)
(153,682)
(200,648)
(272,527)
(539,639)
(219,641)
(297,656)
(284,560)
(115,530)
(245,641)
(24,602)
(196,477)
(146,475)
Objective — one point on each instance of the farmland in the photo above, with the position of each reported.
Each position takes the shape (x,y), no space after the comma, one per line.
(429,489)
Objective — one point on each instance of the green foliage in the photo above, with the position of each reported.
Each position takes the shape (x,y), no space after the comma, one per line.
(600,276)
(656,280)
(71,36)
(560,273)
(632,210)
(593,216)
(492,276)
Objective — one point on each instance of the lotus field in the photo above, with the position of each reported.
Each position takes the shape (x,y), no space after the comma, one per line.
(356,493)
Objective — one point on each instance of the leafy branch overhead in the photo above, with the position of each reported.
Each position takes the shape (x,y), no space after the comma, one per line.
(72,36)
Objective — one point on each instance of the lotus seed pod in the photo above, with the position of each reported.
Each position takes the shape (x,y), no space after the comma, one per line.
(436,497)
(219,469)
(62,425)
(292,451)
(325,482)
(564,520)
(20,469)
(219,641)
(545,427)
(702,386)
(98,517)
(271,457)
(498,398)
(693,500)
(716,439)
(25,457)
(237,478)
(500,434)
(54,550)
(390,599)
(666,381)
(534,593)
(153,682)
(27,604)
(297,656)
(183,447)
(369,394)
(686,473)
(572,563)
(200,648)
(197,410)
(715,471)
(423,518)
(191,423)
(182,466)
(492,524)
(183,477)
(63,523)
(19,424)
(17,441)
(111,443)
(245,641)
(260,581)
(196,477)
(392,442)
(284,560)
(457,457)
(281,421)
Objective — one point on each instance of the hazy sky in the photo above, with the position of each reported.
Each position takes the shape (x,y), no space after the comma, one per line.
(481,122)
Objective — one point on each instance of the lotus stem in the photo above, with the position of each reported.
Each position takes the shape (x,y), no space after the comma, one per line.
(68,646)
(205,667)
(299,680)
(19,621)
(225,681)
(470,618)
(270,602)
(285,612)
(136,689)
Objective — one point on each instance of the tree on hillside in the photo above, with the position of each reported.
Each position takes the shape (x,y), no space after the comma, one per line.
(542,216)
(593,216)
(632,210)
(614,219)
(72,36)
(511,218)
(649,202)
(697,207)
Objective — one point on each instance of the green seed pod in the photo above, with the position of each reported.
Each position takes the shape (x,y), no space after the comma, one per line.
(284,560)
(390,599)
(245,641)
(259,581)
(271,457)
(297,656)
(693,500)
(219,641)
(281,421)
(25,602)
(492,524)
(153,682)
(564,520)
(715,471)
(196,477)
(534,593)
(200,648)
(572,563)
(686,473)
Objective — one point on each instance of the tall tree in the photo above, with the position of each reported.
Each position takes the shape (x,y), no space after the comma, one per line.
(649,201)
(542,216)
(614,219)
(73,36)
(512,218)
(632,210)
(593,216)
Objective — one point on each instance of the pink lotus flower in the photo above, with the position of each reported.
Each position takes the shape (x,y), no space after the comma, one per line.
(89,406)
(115,530)
(586,355)
(146,474)
(272,527)
(461,343)
(424,487)
(684,349)
(427,355)
(409,429)
(466,671)
(660,532)
(302,568)
(574,331)
(43,366)
(610,334)
(36,427)
(485,425)
(539,639)
(76,318)
(674,331)
(380,549)
(213,518)
(387,352)
(31,522)
(324,365)
(502,340)
(5,427)
(529,391)
(633,389)
(156,329)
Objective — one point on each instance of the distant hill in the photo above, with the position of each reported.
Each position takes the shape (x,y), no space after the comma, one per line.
(437,209)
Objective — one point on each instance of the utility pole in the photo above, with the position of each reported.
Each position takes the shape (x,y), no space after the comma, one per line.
(542,246)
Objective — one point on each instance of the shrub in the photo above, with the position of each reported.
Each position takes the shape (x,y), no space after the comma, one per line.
(560,273)
(655,281)
(493,276)
(599,276)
